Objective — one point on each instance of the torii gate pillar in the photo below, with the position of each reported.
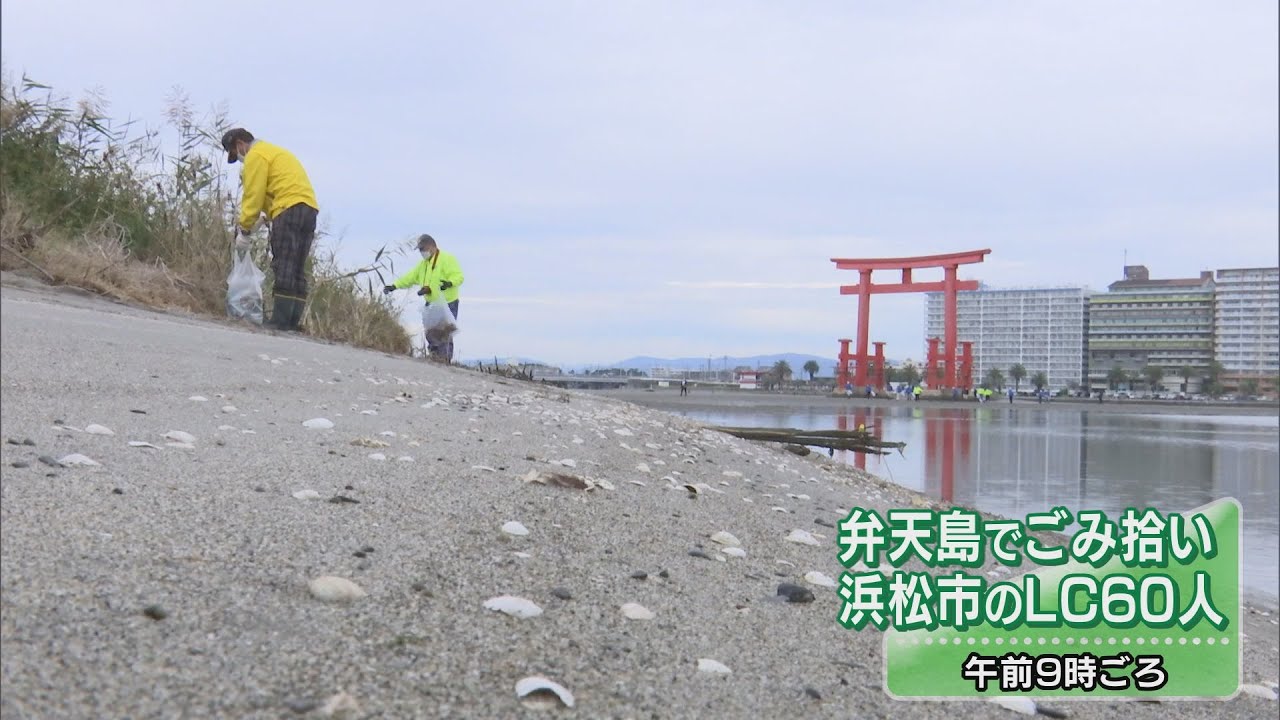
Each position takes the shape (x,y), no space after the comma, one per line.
(859,374)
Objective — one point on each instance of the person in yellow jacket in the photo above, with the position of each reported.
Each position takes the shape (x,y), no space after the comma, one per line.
(275,183)
(438,271)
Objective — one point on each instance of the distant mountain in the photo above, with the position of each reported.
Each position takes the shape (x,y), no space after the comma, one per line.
(795,360)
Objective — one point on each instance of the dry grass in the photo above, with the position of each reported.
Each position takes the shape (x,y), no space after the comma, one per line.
(90,206)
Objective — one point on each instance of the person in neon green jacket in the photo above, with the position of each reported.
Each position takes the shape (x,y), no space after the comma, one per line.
(438,271)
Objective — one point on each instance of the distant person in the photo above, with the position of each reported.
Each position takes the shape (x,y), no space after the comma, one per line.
(870,392)
(848,389)
(1010,396)
(915,393)
(438,270)
(275,183)
(684,387)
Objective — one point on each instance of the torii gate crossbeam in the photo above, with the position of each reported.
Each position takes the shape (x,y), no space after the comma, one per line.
(864,289)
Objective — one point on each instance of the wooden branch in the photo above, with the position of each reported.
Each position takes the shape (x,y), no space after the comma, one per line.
(855,440)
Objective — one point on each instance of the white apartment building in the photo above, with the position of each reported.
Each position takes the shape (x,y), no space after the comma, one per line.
(1042,329)
(1245,321)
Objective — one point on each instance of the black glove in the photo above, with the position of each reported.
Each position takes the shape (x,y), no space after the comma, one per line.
(388,289)
(445,284)
(425,291)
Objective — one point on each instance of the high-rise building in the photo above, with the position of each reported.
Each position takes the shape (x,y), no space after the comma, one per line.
(1247,327)
(1041,329)
(1140,323)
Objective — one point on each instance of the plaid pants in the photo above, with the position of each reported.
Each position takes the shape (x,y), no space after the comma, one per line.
(444,351)
(292,233)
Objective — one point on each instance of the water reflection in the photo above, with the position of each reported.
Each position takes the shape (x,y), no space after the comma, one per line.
(1013,461)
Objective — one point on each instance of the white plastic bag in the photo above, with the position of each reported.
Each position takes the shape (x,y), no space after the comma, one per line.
(438,321)
(244,289)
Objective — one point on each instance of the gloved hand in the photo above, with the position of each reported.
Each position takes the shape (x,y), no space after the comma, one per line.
(388,289)
(425,291)
(445,284)
(242,240)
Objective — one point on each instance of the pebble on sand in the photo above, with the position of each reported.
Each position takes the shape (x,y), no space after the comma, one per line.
(707,665)
(541,693)
(76,459)
(816,578)
(1021,705)
(635,611)
(795,593)
(802,537)
(331,588)
(514,606)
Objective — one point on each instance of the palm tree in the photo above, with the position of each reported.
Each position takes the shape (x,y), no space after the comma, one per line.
(812,368)
(1154,374)
(1018,373)
(909,375)
(1212,379)
(782,371)
(1040,380)
(1116,377)
(1249,387)
(995,379)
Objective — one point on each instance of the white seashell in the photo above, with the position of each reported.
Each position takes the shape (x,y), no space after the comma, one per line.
(577,440)
(513,606)
(802,537)
(1022,705)
(229,409)
(140,444)
(788,563)
(368,412)
(414,443)
(708,665)
(76,459)
(1259,691)
(605,484)
(568,463)
(180,436)
(318,424)
(198,398)
(485,468)
(817,578)
(522,555)
(623,432)
(732,473)
(226,428)
(307,495)
(636,482)
(633,611)
(98,430)
(781,510)
(725,538)
(331,588)
(387,433)
(541,693)
(340,705)
(377,456)
(734,552)
(514,528)
(404,458)
(642,468)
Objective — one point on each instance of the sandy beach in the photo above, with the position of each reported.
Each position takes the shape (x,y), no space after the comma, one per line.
(174,579)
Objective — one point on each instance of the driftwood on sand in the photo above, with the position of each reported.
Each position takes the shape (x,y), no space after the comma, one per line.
(855,440)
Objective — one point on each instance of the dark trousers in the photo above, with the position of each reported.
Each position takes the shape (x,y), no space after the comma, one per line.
(292,233)
(444,351)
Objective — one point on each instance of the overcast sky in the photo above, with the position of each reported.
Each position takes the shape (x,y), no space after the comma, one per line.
(663,178)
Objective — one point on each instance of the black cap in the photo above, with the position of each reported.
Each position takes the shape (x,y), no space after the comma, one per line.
(229,142)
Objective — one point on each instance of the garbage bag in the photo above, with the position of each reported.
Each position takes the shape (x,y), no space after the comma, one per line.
(438,321)
(244,289)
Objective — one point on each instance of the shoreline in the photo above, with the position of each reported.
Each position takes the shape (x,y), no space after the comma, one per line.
(759,400)
(170,578)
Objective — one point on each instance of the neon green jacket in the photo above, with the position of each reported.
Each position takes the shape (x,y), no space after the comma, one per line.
(273,181)
(444,266)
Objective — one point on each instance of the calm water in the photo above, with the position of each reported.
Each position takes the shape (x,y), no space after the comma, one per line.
(1015,461)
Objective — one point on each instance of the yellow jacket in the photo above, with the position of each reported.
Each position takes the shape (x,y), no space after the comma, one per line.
(274,181)
(429,273)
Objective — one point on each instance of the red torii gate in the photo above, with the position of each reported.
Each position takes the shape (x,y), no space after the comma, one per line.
(950,376)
